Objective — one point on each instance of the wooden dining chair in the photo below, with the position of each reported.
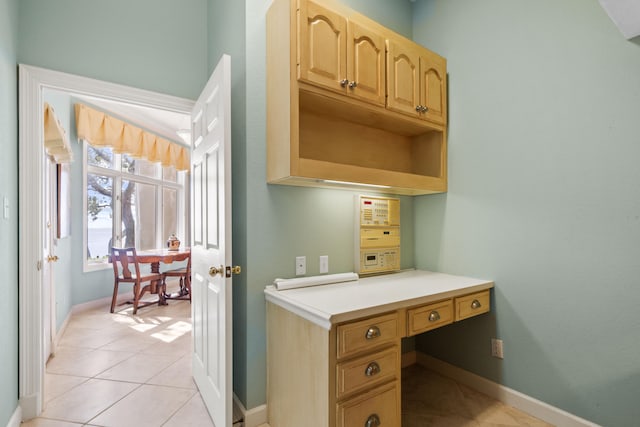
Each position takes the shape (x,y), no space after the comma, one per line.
(122,260)
(185,281)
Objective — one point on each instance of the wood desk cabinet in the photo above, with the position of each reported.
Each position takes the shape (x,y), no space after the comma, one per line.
(348,375)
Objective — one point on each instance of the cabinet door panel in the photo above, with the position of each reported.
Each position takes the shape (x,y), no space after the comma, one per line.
(322,46)
(365,63)
(433,79)
(402,78)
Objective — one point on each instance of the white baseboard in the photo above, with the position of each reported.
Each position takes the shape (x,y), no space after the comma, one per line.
(253,417)
(60,333)
(90,305)
(521,401)
(16,418)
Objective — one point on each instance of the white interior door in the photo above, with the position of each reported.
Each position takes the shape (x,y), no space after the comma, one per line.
(211,244)
(49,257)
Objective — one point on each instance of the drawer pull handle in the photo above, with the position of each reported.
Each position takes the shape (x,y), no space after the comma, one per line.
(372,369)
(373,421)
(434,316)
(372,332)
(475,304)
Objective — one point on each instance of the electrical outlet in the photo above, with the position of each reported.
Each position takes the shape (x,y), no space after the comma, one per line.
(496,348)
(301,265)
(324,264)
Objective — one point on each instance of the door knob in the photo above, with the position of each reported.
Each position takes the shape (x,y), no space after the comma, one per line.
(214,270)
(52,258)
(236,269)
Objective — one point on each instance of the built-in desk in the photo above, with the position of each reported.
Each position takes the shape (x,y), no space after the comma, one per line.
(333,351)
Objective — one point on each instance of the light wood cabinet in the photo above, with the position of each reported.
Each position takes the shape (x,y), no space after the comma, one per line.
(323,46)
(417,81)
(328,120)
(472,305)
(340,54)
(349,374)
(427,317)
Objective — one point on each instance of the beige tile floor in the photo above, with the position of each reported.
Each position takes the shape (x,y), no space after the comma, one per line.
(429,399)
(122,370)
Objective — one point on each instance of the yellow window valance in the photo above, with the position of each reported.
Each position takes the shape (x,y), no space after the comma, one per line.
(56,141)
(102,130)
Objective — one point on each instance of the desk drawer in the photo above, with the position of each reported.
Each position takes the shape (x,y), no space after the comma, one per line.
(380,407)
(472,305)
(367,334)
(427,317)
(367,371)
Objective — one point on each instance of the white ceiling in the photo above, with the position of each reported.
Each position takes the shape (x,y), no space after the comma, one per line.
(625,14)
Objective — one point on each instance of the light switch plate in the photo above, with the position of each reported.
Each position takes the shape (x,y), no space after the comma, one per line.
(301,265)
(324,264)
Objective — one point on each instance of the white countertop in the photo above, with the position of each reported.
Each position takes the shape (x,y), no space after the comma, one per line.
(326,305)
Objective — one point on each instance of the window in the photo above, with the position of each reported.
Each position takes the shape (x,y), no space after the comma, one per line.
(129,202)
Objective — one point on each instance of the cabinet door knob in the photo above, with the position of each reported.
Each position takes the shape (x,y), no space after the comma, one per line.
(372,332)
(372,421)
(419,108)
(475,304)
(372,369)
(344,82)
(424,109)
(434,316)
(353,85)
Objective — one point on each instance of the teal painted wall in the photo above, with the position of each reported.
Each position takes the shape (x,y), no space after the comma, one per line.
(158,45)
(226,22)
(9,227)
(544,101)
(283,222)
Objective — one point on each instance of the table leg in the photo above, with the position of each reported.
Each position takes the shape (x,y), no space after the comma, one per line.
(156,285)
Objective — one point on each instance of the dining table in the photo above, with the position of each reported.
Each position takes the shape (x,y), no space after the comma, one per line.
(161,255)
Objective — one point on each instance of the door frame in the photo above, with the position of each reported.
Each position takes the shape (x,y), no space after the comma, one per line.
(32,82)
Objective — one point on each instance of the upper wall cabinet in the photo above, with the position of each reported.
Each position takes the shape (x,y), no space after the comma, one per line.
(350,101)
(339,54)
(417,81)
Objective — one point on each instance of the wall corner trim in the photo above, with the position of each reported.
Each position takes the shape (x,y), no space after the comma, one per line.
(514,398)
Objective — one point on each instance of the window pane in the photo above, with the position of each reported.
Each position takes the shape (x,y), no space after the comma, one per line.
(100,156)
(99,217)
(170,174)
(140,167)
(170,213)
(139,215)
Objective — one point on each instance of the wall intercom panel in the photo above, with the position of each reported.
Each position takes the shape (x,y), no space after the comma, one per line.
(377,235)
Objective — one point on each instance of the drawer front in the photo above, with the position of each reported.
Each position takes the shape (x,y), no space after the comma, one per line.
(378,408)
(427,317)
(367,371)
(472,305)
(367,334)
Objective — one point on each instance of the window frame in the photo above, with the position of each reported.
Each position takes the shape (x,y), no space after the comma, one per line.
(118,175)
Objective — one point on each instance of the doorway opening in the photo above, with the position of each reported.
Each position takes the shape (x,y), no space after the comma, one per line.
(34,86)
